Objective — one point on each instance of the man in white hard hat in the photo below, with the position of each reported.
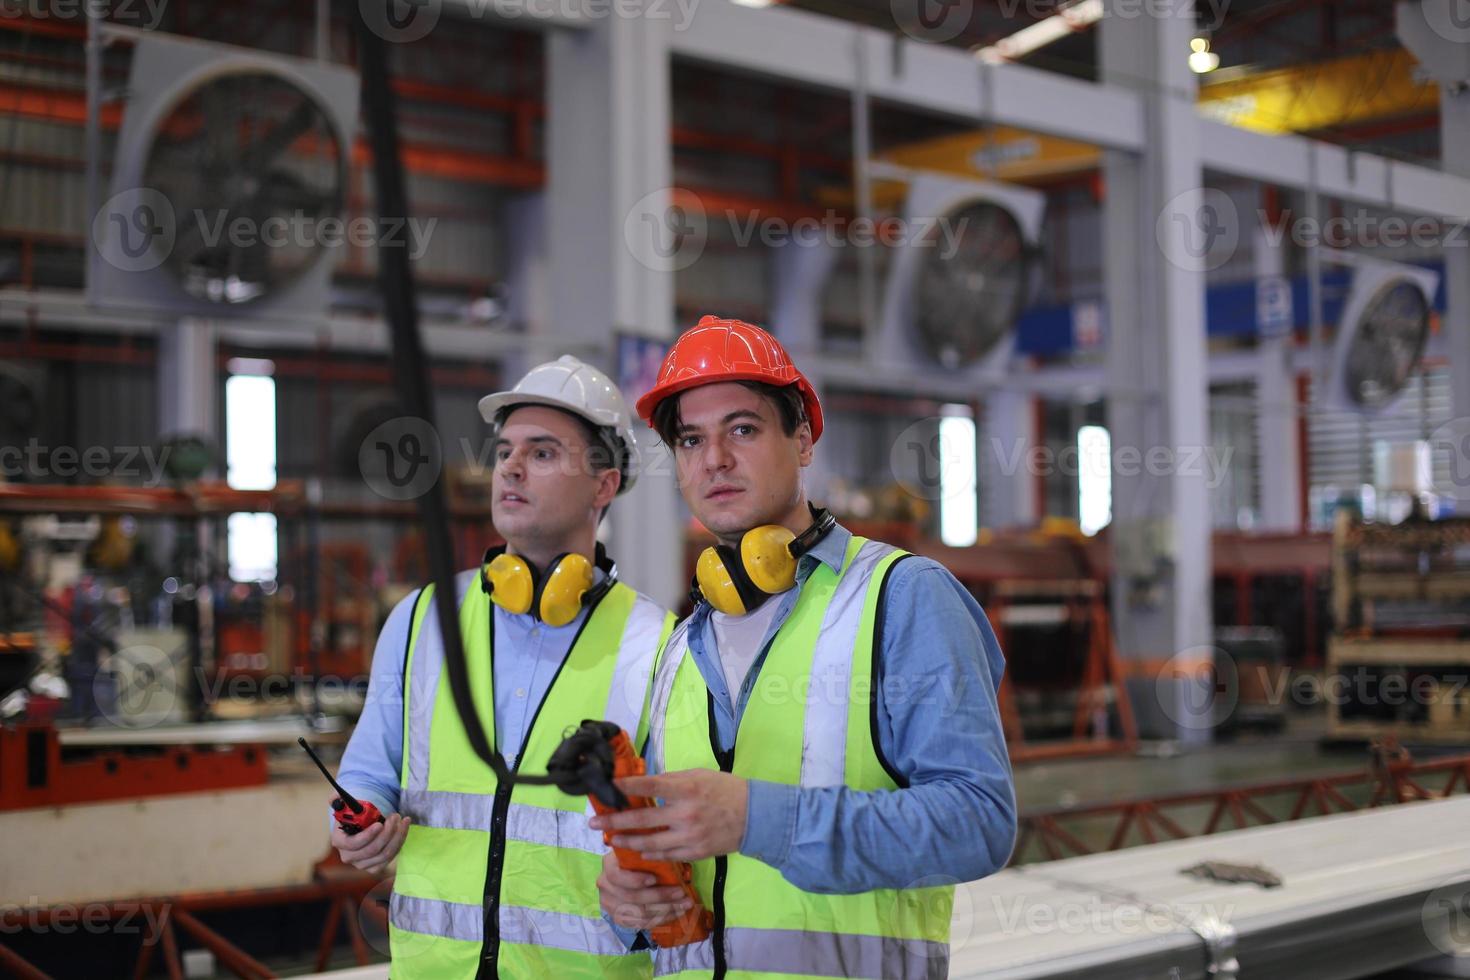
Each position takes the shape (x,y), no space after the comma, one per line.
(492,880)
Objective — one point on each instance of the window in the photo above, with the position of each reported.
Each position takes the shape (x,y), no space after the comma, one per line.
(959,520)
(1094,478)
(250,464)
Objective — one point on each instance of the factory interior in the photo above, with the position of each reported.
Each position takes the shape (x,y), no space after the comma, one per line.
(1147,320)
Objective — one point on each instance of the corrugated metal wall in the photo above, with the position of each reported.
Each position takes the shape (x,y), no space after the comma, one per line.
(1341,442)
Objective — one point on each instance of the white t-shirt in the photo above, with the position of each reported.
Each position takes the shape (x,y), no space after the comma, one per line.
(738,641)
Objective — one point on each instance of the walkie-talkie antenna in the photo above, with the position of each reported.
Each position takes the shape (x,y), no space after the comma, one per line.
(345,796)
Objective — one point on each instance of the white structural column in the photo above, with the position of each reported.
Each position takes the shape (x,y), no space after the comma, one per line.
(1007,434)
(1156,224)
(799,271)
(188,401)
(1437,33)
(188,381)
(1277,431)
(608,87)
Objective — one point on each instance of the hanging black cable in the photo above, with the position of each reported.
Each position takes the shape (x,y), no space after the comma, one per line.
(410,372)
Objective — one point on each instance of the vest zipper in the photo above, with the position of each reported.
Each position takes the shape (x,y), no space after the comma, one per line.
(500,811)
(726,760)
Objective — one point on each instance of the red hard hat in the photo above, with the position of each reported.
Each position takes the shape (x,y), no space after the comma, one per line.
(728,350)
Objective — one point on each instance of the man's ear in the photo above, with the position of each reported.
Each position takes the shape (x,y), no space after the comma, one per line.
(804,443)
(608,483)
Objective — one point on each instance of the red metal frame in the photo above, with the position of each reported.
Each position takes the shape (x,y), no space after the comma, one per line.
(33,773)
(1055,832)
(1102,672)
(346,891)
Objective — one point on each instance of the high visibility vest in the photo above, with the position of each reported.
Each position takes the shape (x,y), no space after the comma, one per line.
(502,882)
(809,721)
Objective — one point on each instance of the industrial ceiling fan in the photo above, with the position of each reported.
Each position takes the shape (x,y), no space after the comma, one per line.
(968,300)
(251,164)
(1381,333)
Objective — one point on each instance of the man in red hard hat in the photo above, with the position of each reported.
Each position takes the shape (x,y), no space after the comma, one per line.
(824,727)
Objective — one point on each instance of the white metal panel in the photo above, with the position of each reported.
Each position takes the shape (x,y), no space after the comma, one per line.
(1294,161)
(822,51)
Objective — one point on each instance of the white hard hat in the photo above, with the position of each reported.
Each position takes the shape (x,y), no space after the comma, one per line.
(577,387)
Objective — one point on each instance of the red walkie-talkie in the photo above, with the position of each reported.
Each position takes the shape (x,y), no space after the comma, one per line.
(353,816)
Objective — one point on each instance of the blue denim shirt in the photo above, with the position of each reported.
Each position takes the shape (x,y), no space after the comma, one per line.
(939,726)
(528,655)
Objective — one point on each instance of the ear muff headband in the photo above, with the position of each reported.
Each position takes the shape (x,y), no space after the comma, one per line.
(737,583)
(555,597)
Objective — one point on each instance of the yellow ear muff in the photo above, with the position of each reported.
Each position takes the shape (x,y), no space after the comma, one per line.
(512,586)
(717,585)
(566,584)
(767,559)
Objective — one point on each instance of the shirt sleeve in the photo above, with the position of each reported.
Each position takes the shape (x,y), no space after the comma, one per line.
(953,818)
(373,763)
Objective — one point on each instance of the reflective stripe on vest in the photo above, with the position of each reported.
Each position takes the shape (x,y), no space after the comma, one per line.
(819,668)
(538,927)
(547,913)
(813,954)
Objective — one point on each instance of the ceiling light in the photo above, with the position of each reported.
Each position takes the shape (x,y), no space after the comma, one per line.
(1068,20)
(1201,58)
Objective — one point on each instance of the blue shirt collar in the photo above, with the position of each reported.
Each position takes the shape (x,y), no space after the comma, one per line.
(831,551)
